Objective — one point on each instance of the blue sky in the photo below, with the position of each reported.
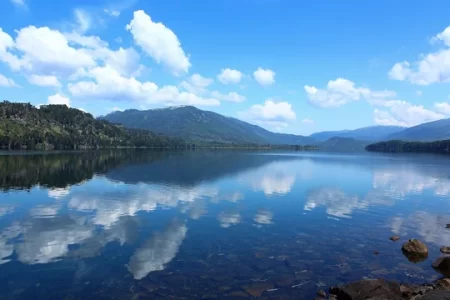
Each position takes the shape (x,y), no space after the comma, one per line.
(289,66)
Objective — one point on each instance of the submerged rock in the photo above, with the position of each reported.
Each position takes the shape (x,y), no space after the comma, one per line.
(256,289)
(445,250)
(368,289)
(415,250)
(322,294)
(442,265)
(394,238)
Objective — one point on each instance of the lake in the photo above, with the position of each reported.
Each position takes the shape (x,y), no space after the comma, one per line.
(214,224)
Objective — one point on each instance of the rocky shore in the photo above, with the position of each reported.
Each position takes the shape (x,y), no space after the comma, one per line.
(380,289)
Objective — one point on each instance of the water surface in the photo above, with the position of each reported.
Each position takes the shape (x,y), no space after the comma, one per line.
(214,224)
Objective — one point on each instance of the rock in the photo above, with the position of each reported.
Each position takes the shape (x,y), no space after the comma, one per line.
(447,226)
(442,265)
(322,294)
(256,289)
(368,289)
(415,250)
(284,281)
(406,291)
(394,238)
(443,284)
(376,252)
(436,295)
(445,250)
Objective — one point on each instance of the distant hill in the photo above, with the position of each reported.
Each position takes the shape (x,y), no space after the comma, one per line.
(431,131)
(343,144)
(23,126)
(397,146)
(371,133)
(193,124)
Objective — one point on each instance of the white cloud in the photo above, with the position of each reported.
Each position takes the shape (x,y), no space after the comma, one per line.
(230,97)
(264,76)
(263,217)
(196,84)
(230,76)
(443,107)
(271,113)
(110,85)
(19,3)
(83,19)
(111,12)
(42,51)
(159,42)
(7,82)
(44,80)
(431,68)
(308,121)
(342,91)
(58,99)
(402,113)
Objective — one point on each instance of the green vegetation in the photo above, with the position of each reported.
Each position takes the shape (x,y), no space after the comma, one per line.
(23,126)
(397,146)
(199,126)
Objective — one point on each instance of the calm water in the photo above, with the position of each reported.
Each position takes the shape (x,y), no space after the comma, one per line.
(213,225)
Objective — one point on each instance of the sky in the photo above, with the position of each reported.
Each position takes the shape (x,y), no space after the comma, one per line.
(287,65)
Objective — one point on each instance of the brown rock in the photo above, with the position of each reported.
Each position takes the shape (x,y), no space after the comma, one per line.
(443,283)
(436,295)
(445,250)
(368,289)
(322,294)
(415,250)
(394,238)
(406,290)
(256,289)
(442,265)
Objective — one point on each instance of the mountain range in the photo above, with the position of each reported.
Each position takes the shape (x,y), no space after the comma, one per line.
(193,124)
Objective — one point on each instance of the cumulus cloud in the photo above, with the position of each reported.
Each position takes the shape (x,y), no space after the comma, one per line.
(110,85)
(7,82)
(44,80)
(83,20)
(230,97)
(342,91)
(230,76)
(196,84)
(159,42)
(157,252)
(263,217)
(402,113)
(58,99)
(273,114)
(443,107)
(431,68)
(264,76)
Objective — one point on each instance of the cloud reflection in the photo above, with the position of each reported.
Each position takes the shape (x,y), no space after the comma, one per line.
(158,251)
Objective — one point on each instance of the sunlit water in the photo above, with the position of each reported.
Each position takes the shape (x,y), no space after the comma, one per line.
(213,225)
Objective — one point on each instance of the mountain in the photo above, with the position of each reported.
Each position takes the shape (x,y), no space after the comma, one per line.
(431,131)
(193,124)
(371,133)
(343,144)
(23,126)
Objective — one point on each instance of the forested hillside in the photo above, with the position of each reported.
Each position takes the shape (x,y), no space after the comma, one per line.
(23,126)
(397,146)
